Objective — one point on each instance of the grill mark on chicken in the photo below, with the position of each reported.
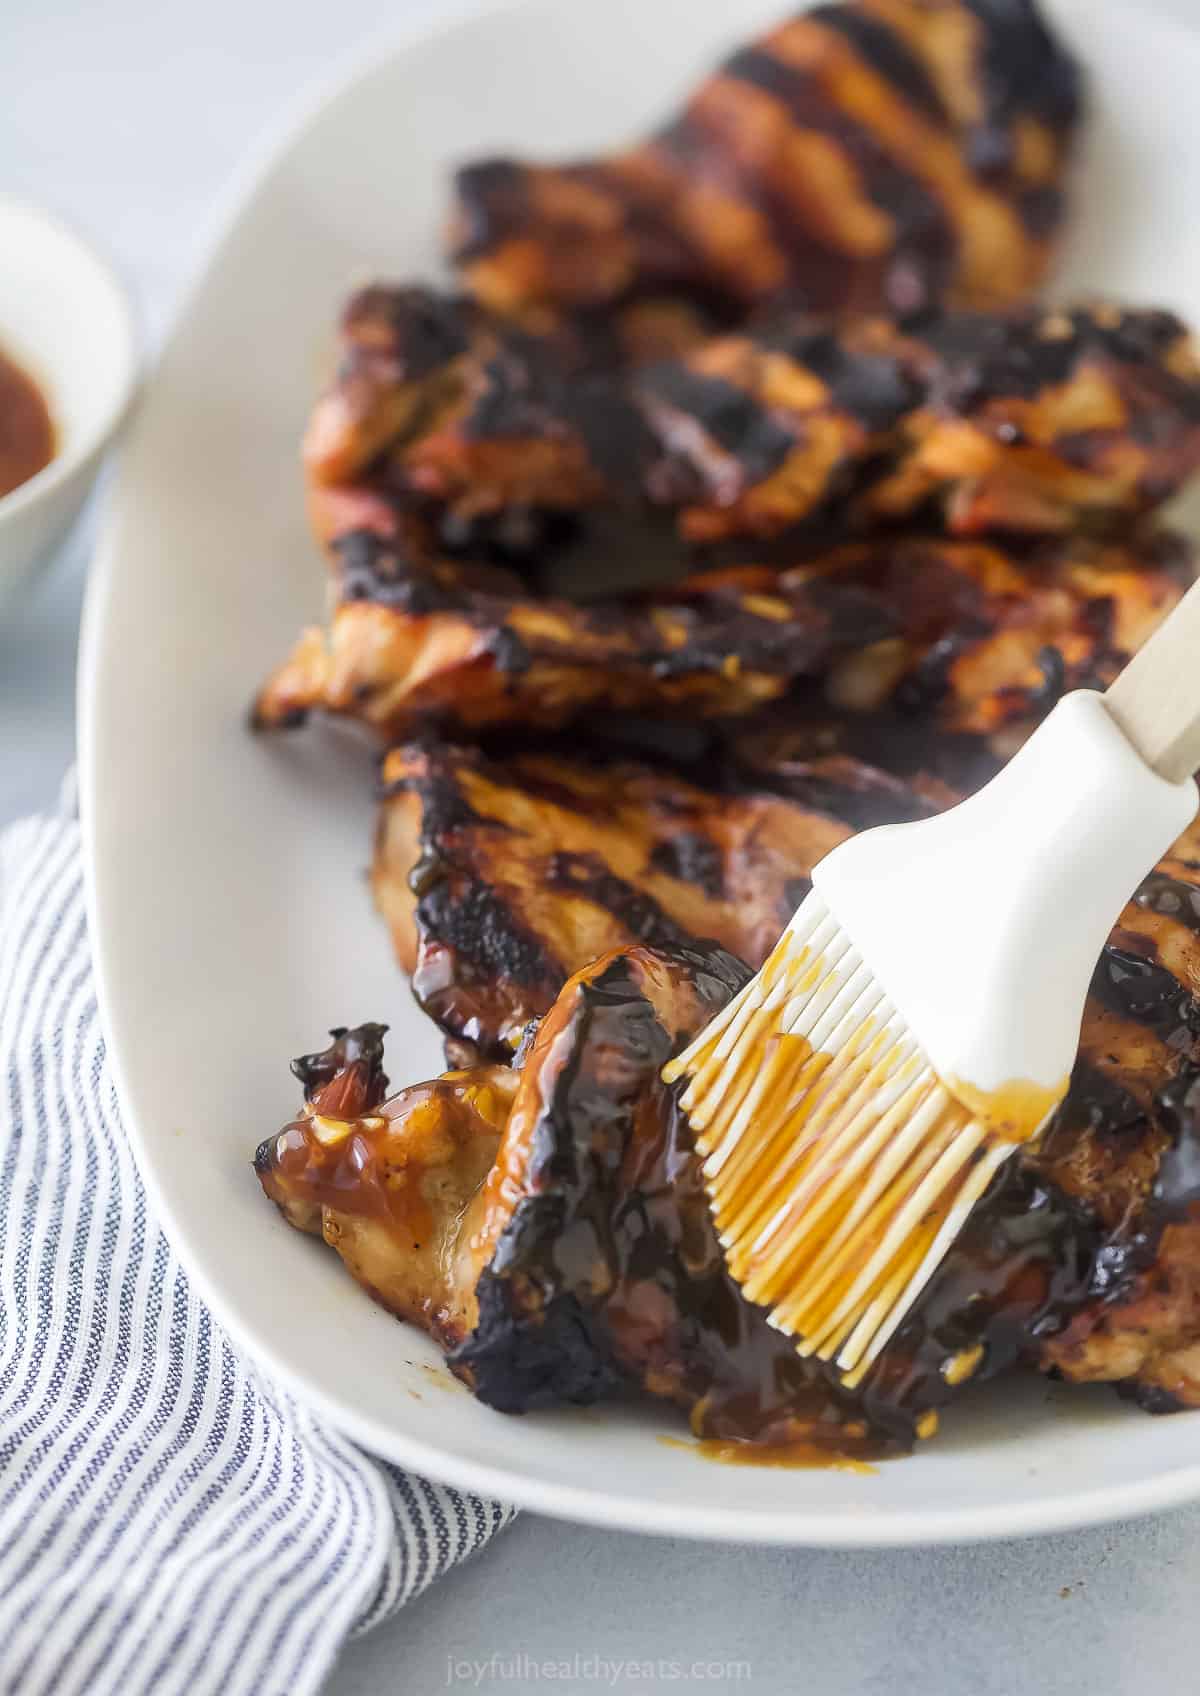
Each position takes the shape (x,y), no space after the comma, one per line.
(582,859)
(586,1257)
(498,878)
(586,875)
(928,241)
(1171,897)
(691,858)
(584,1260)
(865,154)
(1029,422)
(1023,67)
(886,53)
(1102,1224)
(971,636)
(445,644)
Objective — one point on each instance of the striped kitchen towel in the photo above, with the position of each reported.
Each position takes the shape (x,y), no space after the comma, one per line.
(169,1521)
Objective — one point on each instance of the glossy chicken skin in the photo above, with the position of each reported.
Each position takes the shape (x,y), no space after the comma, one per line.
(879,153)
(547,1225)
(978,636)
(1084,1258)
(388,1183)
(584,1261)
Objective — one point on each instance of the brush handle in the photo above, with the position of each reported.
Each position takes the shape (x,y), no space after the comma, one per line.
(1156,699)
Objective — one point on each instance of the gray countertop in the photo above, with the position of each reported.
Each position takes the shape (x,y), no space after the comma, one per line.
(127,118)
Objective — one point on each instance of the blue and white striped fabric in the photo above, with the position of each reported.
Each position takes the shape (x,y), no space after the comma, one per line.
(169,1522)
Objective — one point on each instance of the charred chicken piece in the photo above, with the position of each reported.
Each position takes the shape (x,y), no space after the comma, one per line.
(877,153)
(1033,421)
(388,1182)
(574,1254)
(977,636)
(500,875)
(442,641)
(1083,1257)
(1127,1144)
(584,1261)
(992,637)
(1030,421)
(498,879)
(440,400)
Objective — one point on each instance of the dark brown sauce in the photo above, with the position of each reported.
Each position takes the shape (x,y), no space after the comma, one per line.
(807,1457)
(27,441)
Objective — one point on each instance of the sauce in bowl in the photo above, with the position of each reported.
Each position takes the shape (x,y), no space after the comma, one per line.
(26,428)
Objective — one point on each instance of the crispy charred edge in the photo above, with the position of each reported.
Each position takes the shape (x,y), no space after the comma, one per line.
(720,645)
(585,1234)
(984,356)
(713,645)
(512,222)
(343,1081)
(519,1364)
(538,1340)
(354,1063)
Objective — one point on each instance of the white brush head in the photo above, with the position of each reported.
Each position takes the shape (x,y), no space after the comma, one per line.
(983,925)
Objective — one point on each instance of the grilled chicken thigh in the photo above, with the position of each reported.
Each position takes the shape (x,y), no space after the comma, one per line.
(1027,421)
(876,153)
(455,644)
(499,879)
(985,635)
(547,1224)
(584,1260)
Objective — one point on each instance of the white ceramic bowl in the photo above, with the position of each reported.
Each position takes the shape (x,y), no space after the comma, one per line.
(67,322)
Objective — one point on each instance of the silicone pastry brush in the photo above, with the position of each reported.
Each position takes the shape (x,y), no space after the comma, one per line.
(918,1021)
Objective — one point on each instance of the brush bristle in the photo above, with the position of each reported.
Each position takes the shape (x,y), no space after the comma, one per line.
(838,1167)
